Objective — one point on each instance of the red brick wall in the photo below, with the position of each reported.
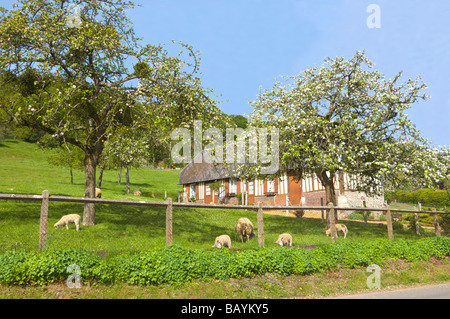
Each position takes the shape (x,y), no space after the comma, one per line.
(274,200)
(231,200)
(313,198)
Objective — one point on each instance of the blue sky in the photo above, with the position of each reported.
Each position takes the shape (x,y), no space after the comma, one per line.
(247,44)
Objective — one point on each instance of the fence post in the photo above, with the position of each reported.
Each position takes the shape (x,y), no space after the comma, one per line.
(332,222)
(436,223)
(390,229)
(416,220)
(169,234)
(43,220)
(260,221)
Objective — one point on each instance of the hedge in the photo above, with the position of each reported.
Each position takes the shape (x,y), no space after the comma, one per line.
(176,265)
(437,198)
(428,196)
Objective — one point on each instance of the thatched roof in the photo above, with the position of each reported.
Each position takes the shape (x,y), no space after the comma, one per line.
(203,169)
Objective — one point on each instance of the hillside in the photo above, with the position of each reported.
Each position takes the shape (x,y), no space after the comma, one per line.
(24,169)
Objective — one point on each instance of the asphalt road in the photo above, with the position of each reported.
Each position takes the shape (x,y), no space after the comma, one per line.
(425,292)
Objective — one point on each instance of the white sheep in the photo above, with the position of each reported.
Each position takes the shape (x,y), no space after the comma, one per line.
(339,227)
(284,240)
(244,228)
(98,193)
(222,241)
(66,219)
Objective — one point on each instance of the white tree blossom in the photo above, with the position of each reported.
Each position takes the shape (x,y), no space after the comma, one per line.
(346,117)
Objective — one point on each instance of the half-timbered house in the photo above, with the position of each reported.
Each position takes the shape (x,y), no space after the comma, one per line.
(201,174)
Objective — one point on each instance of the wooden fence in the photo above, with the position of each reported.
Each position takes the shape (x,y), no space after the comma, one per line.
(45,198)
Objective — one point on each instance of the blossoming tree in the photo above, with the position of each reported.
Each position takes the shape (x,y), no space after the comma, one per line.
(90,73)
(345,117)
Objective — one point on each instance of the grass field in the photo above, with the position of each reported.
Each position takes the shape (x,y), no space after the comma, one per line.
(24,170)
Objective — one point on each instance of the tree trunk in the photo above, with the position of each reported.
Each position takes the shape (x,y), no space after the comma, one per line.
(119,180)
(90,163)
(331,198)
(91,159)
(330,194)
(100,178)
(71,176)
(127,175)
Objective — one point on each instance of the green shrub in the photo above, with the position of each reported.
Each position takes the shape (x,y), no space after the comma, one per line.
(428,196)
(397,226)
(357,215)
(423,218)
(10,267)
(175,265)
(44,267)
(433,197)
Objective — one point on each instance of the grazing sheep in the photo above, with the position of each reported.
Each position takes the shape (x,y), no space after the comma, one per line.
(98,193)
(71,218)
(284,240)
(244,228)
(137,193)
(339,227)
(222,241)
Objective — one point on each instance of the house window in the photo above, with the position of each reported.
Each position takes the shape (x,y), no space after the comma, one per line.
(232,189)
(208,190)
(192,191)
(250,188)
(270,186)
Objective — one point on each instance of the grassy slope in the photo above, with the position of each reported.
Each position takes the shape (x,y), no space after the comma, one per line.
(24,169)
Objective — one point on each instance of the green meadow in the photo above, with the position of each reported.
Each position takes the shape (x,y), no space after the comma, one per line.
(119,230)
(24,169)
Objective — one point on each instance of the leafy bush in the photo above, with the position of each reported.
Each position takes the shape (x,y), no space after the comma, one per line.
(398,226)
(356,215)
(423,218)
(175,265)
(10,267)
(45,267)
(428,196)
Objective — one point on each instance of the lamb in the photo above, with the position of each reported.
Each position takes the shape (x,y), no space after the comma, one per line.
(71,218)
(98,193)
(284,240)
(244,228)
(339,227)
(222,241)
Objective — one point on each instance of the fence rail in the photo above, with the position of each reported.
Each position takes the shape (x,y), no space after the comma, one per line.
(45,198)
(55,198)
